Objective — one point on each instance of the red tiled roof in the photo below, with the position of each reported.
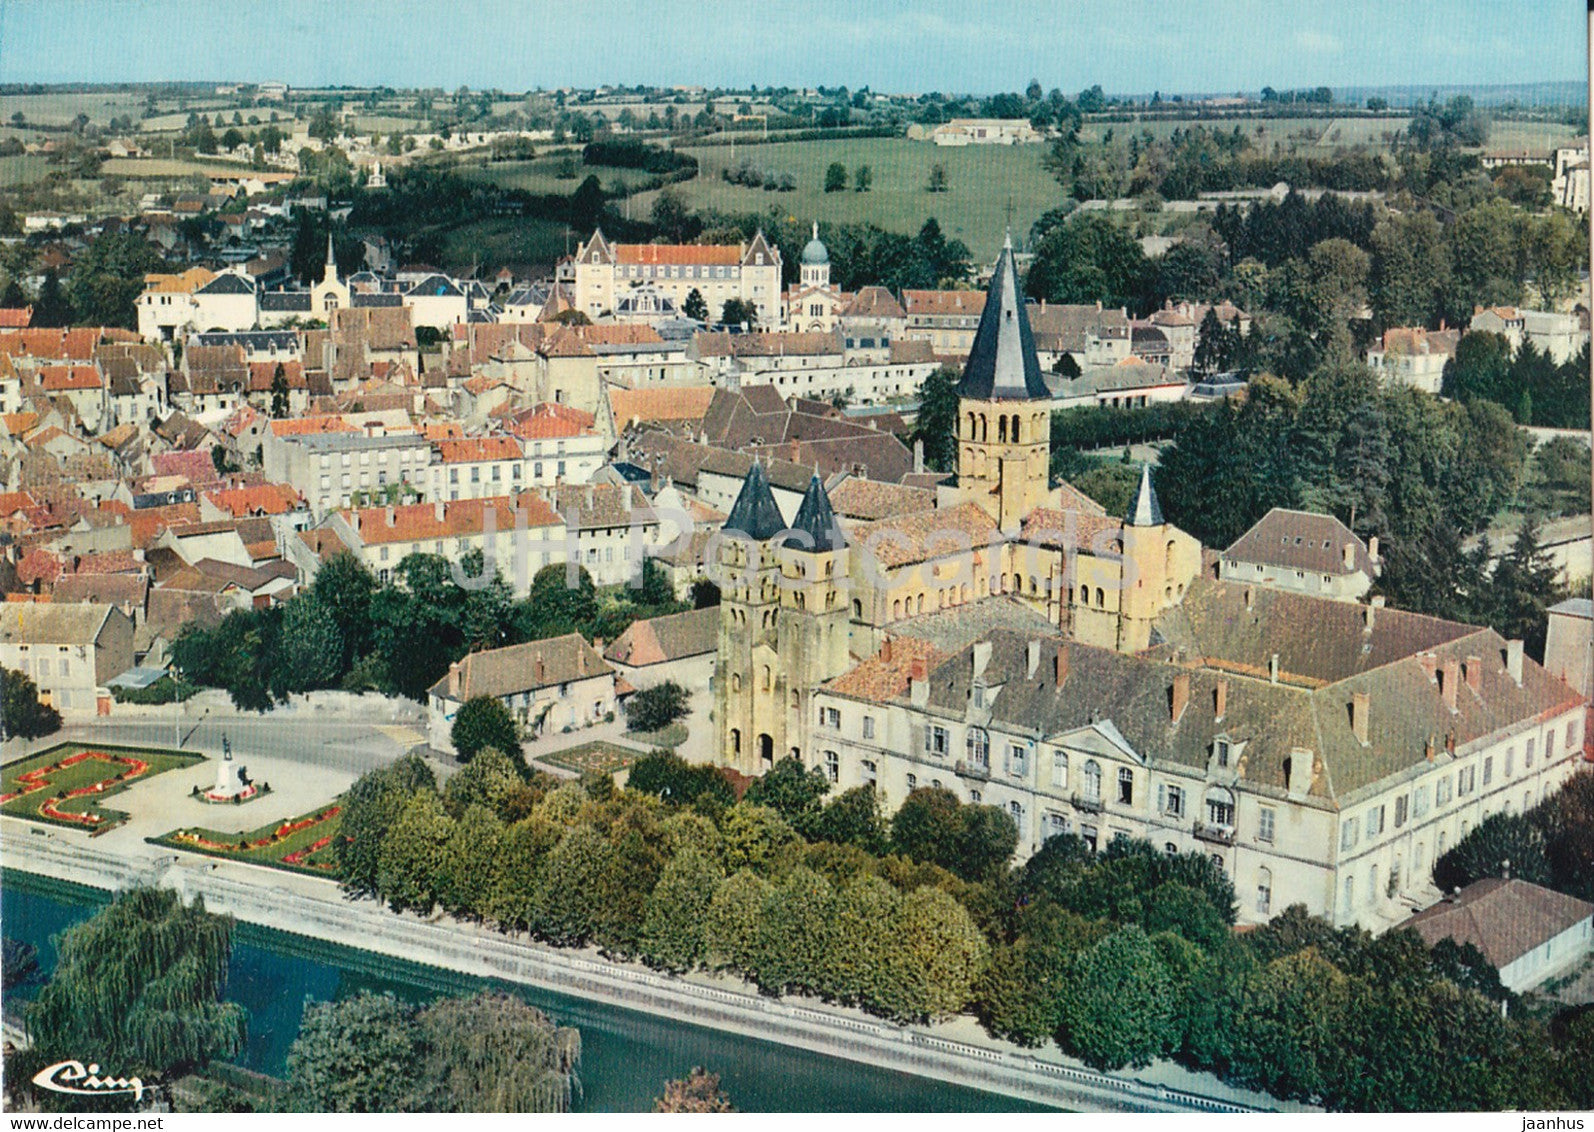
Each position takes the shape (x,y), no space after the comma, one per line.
(259,499)
(58,379)
(15,318)
(714,254)
(550,420)
(418,522)
(311,426)
(471,450)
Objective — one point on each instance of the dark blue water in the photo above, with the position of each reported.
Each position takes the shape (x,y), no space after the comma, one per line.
(626,1056)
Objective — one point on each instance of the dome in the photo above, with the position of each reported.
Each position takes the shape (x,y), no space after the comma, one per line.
(815,253)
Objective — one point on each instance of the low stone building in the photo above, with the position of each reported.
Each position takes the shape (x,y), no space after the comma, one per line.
(1303,551)
(1528,932)
(69,651)
(677,646)
(558,684)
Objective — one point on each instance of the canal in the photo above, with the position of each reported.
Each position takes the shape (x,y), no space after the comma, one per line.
(626,1055)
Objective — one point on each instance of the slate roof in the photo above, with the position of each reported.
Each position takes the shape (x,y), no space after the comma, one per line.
(659,640)
(754,513)
(1144,510)
(285,302)
(817,530)
(1002,365)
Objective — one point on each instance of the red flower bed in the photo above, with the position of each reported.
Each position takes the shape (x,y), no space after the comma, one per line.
(35,780)
(282,832)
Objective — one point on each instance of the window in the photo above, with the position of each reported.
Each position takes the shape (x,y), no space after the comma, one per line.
(1220,749)
(1442,791)
(1375,821)
(1571,736)
(1220,809)
(1092,781)
(1401,805)
(1488,769)
(935,741)
(1419,802)
(832,766)
(1372,884)
(978,748)
(1016,812)
(1350,892)
(1126,786)
(1171,800)
(1059,769)
(1510,760)
(1464,781)
(1264,827)
(1264,891)
(1017,760)
(913,783)
(868,771)
(832,718)
(1347,834)
(868,727)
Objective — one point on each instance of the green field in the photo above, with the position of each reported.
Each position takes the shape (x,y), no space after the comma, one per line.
(506,240)
(161,167)
(54,785)
(60,109)
(541,175)
(23,168)
(313,843)
(981,180)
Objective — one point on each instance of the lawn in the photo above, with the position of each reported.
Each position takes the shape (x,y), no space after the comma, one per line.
(981,181)
(22,168)
(165,167)
(671,736)
(540,175)
(68,784)
(304,844)
(505,239)
(606,758)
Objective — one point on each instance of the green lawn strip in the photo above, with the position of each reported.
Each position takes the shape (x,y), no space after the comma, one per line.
(670,736)
(83,774)
(270,855)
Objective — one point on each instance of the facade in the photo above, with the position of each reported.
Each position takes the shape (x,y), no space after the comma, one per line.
(750,272)
(1414,356)
(1305,552)
(985,131)
(945,319)
(331,470)
(69,651)
(554,685)
(1569,644)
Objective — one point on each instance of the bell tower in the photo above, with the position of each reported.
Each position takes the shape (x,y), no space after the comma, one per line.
(1004,408)
(749,716)
(813,623)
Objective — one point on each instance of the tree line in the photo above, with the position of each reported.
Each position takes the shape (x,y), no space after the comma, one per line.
(1527,382)
(349,631)
(1121,957)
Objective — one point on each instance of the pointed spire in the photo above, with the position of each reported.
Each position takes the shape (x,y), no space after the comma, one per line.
(816,520)
(754,513)
(1002,365)
(332,260)
(1145,511)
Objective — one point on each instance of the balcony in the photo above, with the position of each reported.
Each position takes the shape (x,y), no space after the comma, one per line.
(1089,805)
(1217,834)
(969,768)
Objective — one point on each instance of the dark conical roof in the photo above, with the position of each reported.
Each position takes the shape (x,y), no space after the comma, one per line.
(1002,365)
(817,521)
(754,513)
(1145,511)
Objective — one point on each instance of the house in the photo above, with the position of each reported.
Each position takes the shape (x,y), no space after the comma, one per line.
(613,527)
(678,647)
(477,468)
(1569,644)
(1132,382)
(68,650)
(750,272)
(167,308)
(1527,932)
(1414,356)
(985,131)
(945,319)
(1303,551)
(562,444)
(557,684)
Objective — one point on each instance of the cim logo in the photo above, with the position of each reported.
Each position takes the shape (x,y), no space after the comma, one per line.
(72,1077)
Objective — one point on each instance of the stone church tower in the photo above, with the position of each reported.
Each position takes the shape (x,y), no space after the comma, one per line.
(1004,409)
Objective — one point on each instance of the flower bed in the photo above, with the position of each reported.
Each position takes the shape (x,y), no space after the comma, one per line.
(607,758)
(306,844)
(68,785)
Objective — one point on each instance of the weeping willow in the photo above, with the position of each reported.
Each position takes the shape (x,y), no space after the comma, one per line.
(494,1053)
(137,988)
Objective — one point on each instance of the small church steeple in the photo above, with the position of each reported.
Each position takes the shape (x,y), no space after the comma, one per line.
(1145,511)
(330,273)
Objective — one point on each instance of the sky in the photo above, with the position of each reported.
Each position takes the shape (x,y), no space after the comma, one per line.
(897,46)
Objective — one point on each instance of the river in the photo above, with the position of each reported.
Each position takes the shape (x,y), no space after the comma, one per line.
(626,1055)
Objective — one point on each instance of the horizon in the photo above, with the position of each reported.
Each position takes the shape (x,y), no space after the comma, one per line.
(1136,47)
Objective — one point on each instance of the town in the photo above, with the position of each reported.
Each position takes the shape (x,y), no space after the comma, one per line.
(1098,584)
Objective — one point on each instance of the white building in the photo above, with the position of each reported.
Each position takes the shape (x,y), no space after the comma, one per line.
(554,685)
(750,272)
(69,651)
(1527,932)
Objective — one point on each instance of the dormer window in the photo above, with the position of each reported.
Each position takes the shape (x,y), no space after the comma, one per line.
(1220,752)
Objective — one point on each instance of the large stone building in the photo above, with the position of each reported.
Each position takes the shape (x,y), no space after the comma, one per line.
(1021,648)
(751,272)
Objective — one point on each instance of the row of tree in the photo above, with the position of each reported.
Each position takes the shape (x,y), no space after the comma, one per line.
(350,631)
(1527,383)
(1551,844)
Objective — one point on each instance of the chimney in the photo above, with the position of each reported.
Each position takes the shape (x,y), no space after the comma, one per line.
(919,682)
(592,497)
(1250,598)
(918,455)
(392,516)
(1430,665)
(1060,665)
(1273,669)
(437,510)
(982,657)
(1359,703)
(1449,677)
(1428,748)
(1372,548)
(1220,699)
(453,680)
(1298,772)
(1472,672)
(885,651)
(1350,556)
(538,669)
(1179,695)
(1368,617)
(1513,661)
(1034,658)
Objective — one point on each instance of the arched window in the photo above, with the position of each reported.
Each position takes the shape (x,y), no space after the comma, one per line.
(1101,598)
(767,680)
(736,741)
(1015,428)
(1372,885)
(963,593)
(1220,807)
(857,608)
(736,681)
(1001,429)
(1093,781)
(896,609)
(920,604)
(1168,559)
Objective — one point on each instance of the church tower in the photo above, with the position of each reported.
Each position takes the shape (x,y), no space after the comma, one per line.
(1004,408)
(813,624)
(1154,566)
(749,713)
(815,264)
